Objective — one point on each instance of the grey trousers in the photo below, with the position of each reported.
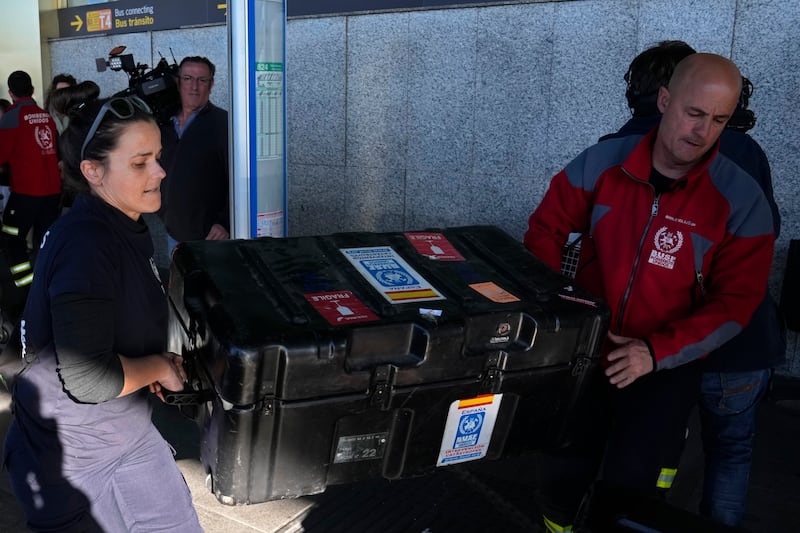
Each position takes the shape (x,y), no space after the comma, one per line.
(140,491)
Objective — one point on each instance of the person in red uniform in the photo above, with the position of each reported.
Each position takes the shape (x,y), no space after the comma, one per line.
(28,142)
(736,375)
(679,242)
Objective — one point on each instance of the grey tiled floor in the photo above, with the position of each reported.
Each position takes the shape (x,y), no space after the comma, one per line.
(464,499)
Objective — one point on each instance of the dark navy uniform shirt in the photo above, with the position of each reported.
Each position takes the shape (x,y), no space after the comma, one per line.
(97,252)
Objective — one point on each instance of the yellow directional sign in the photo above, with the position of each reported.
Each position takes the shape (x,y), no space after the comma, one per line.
(130,16)
(77,22)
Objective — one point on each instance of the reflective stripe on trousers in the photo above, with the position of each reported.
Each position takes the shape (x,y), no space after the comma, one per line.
(11,230)
(23,273)
(552,527)
(666,477)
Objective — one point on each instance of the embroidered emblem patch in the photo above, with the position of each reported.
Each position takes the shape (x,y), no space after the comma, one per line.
(44,137)
(666,243)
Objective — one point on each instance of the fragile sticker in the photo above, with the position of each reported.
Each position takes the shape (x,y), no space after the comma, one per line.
(391,275)
(494,292)
(434,246)
(468,430)
(340,307)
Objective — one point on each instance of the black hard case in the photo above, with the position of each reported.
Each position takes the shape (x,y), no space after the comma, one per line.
(299,404)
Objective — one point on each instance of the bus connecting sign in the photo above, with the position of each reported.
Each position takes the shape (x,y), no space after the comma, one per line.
(132,16)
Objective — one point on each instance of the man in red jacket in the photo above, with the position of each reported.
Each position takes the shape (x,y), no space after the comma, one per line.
(679,242)
(28,139)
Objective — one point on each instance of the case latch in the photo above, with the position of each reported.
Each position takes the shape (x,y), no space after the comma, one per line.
(580,365)
(383,386)
(493,371)
(267,406)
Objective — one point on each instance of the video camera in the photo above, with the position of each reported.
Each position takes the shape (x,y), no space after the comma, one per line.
(156,86)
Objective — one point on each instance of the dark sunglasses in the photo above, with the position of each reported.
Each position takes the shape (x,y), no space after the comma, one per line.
(122,107)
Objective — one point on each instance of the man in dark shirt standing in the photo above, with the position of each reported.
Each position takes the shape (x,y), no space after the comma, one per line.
(195,157)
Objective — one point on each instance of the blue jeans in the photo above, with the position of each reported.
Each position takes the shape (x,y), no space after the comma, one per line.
(728,406)
(171,244)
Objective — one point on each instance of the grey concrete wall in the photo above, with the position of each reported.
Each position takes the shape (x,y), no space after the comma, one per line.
(449,117)
(410,120)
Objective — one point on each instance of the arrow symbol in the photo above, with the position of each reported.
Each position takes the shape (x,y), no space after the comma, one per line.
(77,22)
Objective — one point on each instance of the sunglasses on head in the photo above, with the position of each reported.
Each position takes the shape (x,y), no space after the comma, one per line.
(122,107)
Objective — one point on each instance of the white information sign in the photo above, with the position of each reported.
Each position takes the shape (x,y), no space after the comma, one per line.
(390,275)
(468,430)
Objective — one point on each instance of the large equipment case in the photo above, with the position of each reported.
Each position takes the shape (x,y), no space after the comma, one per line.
(331,359)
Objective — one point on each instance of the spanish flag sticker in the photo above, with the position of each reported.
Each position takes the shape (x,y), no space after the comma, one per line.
(484,399)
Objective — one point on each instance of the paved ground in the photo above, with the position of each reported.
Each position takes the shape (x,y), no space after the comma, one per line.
(481,497)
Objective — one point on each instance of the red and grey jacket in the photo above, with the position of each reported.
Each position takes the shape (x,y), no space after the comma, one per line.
(684,269)
(28,144)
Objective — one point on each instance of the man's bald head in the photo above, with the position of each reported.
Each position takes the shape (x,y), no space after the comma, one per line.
(700,99)
(704,68)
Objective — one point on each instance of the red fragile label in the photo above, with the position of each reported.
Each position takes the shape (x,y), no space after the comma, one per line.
(340,307)
(434,245)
